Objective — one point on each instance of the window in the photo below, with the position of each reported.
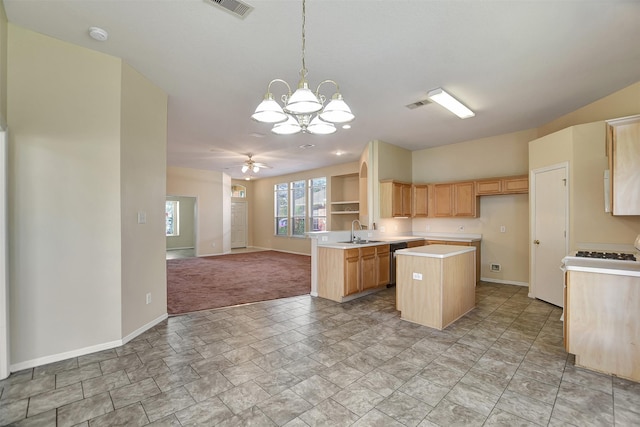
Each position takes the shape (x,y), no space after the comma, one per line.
(281,203)
(238,191)
(318,204)
(298,207)
(171,215)
(292,209)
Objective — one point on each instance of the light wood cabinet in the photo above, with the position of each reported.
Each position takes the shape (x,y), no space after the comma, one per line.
(623,150)
(457,199)
(383,259)
(415,243)
(504,185)
(435,291)
(351,272)
(420,201)
(477,245)
(345,272)
(395,199)
(601,322)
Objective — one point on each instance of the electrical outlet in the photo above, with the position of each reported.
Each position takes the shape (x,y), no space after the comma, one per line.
(461,228)
(495,268)
(503,229)
(149,298)
(417,276)
(325,238)
(142,217)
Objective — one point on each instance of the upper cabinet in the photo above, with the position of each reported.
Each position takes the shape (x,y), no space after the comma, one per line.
(420,200)
(395,199)
(457,199)
(623,150)
(504,185)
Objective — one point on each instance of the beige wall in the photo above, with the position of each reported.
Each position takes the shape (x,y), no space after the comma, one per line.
(583,148)
(3,65)
(187,217)
(501,155)
(262,201)
(143,160)
(209,188)
(623,103)
(63,106)
(87,153)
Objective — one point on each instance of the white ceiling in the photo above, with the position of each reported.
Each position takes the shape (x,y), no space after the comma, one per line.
(517,64)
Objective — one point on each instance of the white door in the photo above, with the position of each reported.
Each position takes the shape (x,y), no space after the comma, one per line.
(238,225)
(549,226)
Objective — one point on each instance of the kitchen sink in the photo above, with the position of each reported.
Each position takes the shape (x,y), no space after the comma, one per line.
(362,242)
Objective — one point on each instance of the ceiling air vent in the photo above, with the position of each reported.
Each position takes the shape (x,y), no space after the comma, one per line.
(236,7)
(418,104)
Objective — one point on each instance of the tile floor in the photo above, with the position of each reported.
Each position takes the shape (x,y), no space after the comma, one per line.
(308,361)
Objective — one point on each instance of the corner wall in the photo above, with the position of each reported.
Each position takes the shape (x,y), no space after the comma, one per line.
(143,174)
(63,106)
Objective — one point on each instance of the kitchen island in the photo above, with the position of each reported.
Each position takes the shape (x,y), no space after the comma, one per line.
(435,284)
(602,315)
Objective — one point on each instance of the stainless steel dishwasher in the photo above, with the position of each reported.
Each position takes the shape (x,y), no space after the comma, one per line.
(393,247)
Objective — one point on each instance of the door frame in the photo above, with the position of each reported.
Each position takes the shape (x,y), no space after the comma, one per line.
(4,255)
(195,220)
(532,222)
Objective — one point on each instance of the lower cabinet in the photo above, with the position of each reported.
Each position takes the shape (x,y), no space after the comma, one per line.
(344,272)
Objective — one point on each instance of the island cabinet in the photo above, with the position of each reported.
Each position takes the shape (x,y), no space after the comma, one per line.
(623,150)
(435,284)
(348,272)
(602,321)
(475,243)
(457,199)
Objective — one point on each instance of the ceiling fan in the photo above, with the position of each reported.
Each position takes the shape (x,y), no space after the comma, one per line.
(252,166)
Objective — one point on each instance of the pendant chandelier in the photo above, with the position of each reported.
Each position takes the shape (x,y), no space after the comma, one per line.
(304,110)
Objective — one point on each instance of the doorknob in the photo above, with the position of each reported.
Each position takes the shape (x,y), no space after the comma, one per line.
(537,242)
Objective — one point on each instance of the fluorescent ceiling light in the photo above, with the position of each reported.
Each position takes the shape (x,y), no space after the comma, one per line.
(450,103)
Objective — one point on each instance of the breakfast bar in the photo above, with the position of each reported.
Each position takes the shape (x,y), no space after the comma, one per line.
(435,284)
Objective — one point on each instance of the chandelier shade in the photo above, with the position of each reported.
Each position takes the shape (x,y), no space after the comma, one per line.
(269,111)
(304,110)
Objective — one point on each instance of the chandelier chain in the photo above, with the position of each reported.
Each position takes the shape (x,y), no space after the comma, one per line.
(303,72)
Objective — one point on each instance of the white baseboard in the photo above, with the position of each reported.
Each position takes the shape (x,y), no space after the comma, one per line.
(504,282)
(144,328)
(27,364)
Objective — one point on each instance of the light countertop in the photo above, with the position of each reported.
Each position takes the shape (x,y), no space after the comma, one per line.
(603,266)
(376,241)
(436,251)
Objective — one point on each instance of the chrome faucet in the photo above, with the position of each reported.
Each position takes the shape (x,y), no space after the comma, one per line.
(353,234)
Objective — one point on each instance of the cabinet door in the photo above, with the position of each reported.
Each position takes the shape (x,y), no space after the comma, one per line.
(383,257)
(351,271)
(406,200)
(516,185)
(625,170)
(396,199)
(420,201)
(442,200)
(488,187)
(368,274)
(464,199)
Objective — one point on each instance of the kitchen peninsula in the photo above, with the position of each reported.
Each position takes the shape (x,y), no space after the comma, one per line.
(435,284)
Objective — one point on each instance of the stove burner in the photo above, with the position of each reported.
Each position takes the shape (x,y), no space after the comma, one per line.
(606,255)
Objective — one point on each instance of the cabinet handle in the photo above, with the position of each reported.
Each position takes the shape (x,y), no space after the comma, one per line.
(537,242)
